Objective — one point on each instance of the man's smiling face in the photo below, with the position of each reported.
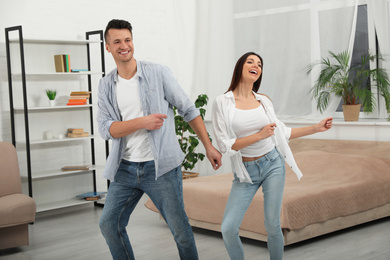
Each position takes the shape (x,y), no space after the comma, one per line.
(119,43)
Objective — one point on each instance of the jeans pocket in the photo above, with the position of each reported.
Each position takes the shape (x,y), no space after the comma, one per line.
(274,156)
(122,169)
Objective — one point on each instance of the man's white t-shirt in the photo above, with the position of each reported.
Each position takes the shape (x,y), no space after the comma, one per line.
(129,103)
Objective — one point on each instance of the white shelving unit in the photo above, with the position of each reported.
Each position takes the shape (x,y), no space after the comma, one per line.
(21,109)
(45,182)
(56,173)
(54,41)
(56,140)
(60,204)
(67,74)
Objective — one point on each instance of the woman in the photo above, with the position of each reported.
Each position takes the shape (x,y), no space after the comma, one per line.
(247,129)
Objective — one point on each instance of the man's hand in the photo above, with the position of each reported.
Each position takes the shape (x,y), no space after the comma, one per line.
(154,121)
(212,154)
(214,157)
(120,129)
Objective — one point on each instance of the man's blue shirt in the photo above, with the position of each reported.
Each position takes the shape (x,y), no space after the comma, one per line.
(159,92)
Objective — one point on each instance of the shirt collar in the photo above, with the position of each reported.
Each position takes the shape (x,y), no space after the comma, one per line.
(231,95)
(139,72)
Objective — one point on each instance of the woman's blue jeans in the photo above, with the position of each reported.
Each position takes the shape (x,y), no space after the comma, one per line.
(269,172)
(131,182)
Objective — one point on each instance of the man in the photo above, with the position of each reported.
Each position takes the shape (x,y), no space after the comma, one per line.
(135,112)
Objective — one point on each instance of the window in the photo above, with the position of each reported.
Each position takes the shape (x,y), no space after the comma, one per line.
(361,46)
(365,42)
(292,34)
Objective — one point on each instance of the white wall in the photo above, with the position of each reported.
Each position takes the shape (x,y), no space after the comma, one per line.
(163,32)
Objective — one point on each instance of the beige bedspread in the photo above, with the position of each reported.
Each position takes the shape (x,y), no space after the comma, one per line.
(333,185)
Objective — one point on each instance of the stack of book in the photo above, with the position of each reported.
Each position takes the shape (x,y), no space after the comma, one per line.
(77,132)
(78,98)
(62,63)
(91,195)
(75,168)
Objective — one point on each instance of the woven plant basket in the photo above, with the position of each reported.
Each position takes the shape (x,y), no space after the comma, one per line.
(351,112)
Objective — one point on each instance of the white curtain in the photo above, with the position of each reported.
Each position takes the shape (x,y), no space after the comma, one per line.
(288,34)
(330,44)
(214,49)
(380,12)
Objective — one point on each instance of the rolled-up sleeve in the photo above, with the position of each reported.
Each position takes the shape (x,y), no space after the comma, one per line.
(221,132)
(176,96)
(285,130)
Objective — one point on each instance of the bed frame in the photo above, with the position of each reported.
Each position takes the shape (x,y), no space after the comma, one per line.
(310,231)
(369,148)
(372,148)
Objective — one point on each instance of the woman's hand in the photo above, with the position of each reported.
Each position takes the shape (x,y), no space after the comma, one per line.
(243,142)
(267,131)
(322,126)
(325,124)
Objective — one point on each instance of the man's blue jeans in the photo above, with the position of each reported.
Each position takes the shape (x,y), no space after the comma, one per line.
(269,172)
(131,182)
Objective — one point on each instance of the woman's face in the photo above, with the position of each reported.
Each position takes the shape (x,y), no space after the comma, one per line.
(252,69)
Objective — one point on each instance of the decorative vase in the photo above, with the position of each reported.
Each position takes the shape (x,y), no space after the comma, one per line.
(52,103)
(351,112)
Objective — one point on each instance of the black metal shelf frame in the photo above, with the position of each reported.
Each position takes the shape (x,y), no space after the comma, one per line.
(19,31)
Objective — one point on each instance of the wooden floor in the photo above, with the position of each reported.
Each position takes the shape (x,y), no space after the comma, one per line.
(74,234)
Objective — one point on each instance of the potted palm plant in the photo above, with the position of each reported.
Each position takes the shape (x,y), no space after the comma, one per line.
(187,138)
(348,82)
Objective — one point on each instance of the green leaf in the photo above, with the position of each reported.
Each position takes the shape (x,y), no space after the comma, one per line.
(186,136)
(335,77)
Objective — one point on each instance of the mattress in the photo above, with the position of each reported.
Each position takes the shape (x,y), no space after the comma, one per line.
(333,185)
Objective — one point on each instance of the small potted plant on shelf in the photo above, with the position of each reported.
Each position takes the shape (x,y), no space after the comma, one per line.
(188,140)
(348,81)
(51,94)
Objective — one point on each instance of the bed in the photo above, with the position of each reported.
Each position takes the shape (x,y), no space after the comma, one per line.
(345,183)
